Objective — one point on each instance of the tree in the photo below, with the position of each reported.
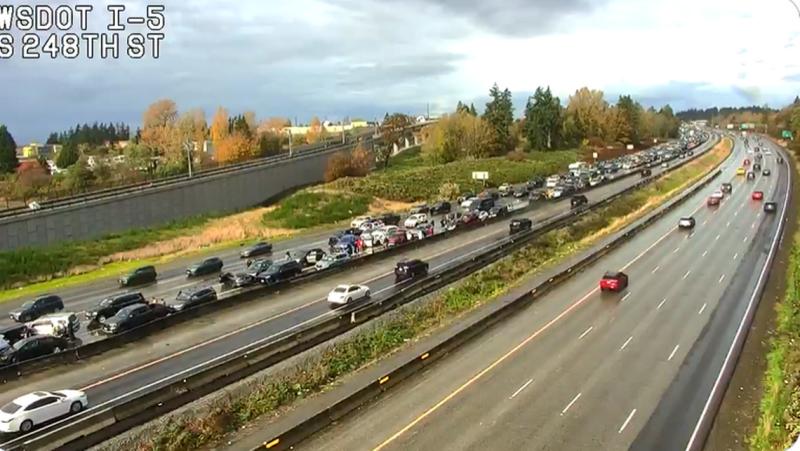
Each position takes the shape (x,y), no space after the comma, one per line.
(235,147)
(314,134)
(499,114)
(31,178)
(68,155)
(455,137)
(8,151)
(585,115)
(543,120)
(159,130)
(630,112)
(79,177)
(7,184)
(472,110)
(394,129)
(219,126)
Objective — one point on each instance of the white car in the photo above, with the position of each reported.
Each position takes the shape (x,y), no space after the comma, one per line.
(717,194)
(345,294)
(33,409)
(370,225)
(357,222)
(467,202)
(415,220)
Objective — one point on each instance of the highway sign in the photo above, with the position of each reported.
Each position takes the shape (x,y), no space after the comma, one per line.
(786,134)
(480,175)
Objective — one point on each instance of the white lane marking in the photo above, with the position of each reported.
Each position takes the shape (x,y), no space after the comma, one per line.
(702,309)
(736,256)
(628,420)
(570,404)
(758,215)
(687,274)
(625,345)
(717,238)
(744,240)
(736,213)
(705,253)
(728,224)
(672,354)
(705,222)
(655,270)
(676,250)
(753,225)
(625,297)
(661,304)
(519,390)
(721,278)
(586,333)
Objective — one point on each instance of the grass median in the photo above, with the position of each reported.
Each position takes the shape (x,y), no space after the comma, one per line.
(268,394)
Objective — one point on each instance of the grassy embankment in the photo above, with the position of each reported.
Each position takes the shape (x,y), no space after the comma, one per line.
(268,395)
(779,416)
(68,264)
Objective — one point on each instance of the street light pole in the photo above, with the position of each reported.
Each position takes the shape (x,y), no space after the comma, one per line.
(290,143)
(189,157)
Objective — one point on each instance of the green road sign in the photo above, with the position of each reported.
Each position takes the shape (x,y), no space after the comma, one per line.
(786,134)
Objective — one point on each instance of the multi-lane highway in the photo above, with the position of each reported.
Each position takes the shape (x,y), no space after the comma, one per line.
(170,354)
(585,370)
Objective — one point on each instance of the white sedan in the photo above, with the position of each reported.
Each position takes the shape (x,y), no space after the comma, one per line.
(33,409)
(718,194)
(345,294)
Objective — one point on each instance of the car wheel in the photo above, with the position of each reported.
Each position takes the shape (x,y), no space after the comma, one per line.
(367,294)
(75,407)
(26,426)
(349,300)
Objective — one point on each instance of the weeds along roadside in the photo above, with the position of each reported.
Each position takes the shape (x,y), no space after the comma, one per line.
(266,395)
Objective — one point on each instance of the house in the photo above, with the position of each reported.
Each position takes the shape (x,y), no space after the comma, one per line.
(36,150)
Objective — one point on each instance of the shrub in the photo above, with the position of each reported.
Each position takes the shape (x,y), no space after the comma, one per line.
(449,190)
(357,163)
(309,209)
(516,155)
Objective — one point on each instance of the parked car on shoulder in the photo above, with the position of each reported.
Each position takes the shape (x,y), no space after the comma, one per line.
(205,267)
(188,298)
(280,271)
(134,316)
(42,305)
(646,172)
(519,225)
(441,208)
(26,412)
(410,269)
(614,281)
(139,276)
(578,201)
(259,248)
(109,306)
(345,294)
(32,347)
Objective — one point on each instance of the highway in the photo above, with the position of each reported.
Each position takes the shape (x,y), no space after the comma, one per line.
(170,354)
(585,370)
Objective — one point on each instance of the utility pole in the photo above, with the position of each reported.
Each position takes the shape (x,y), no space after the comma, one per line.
(343,138)
(188,146)
(290,143)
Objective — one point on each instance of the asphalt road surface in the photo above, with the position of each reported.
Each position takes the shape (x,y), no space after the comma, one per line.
(170,354)
(584,370)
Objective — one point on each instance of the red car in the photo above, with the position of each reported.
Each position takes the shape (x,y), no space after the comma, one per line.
(746,162)
(758,195)
(397,237)
(614,281)
(713,201)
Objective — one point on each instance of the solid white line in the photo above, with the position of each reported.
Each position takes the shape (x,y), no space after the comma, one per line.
(520,389)
(753,225)
(740,330)
(736,213)
(672,354)
(626,421)
(705,222)
(728,224)
(704,254)
(687,274)
(624,345)
(625,297)
(717,238)
(661,304)
(736,256)
(721,278)
(676,250)
(744,240)
(655,270)
(570,404)
(586,333)
(702,309)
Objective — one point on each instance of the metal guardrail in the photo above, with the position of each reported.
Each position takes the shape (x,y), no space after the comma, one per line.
(235,298)
(99,424)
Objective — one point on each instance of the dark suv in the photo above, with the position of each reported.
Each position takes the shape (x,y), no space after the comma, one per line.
(42,305)
(410,269)
(280,271)
(578,201)
(31,348)
(109,307)
(519,225)
(146,274)
(727,188)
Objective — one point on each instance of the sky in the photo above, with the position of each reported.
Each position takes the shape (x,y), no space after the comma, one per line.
(348,58)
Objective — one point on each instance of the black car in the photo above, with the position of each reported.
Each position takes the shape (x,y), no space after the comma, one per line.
(389,219)
(646,172)
(536,182)
(756,167)
(42,305)
(189,298)
(770,207)
(766,172)
(484,204)
(422,208)
(13,333)
(31,348)
(578,201)
(280,271)
(519,225)
(238,280)
(490,193)
(519,192)
(311,257)
(109,307)
(751,175)
(465,196)
(259,248)
(133,316)
(498,211)
(139,276)
(441,208)
(410,269)
(686,223)
(727,188)
(207,266)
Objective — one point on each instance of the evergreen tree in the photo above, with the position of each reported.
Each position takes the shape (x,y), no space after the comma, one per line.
(8,151)
(53,139)
(68,155)
(630,113)
(543,120)
(500,115)
(472,110)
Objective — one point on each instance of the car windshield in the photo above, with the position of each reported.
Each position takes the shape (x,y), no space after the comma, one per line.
(10,408)
(27,304)
(340,289)
(18,345)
